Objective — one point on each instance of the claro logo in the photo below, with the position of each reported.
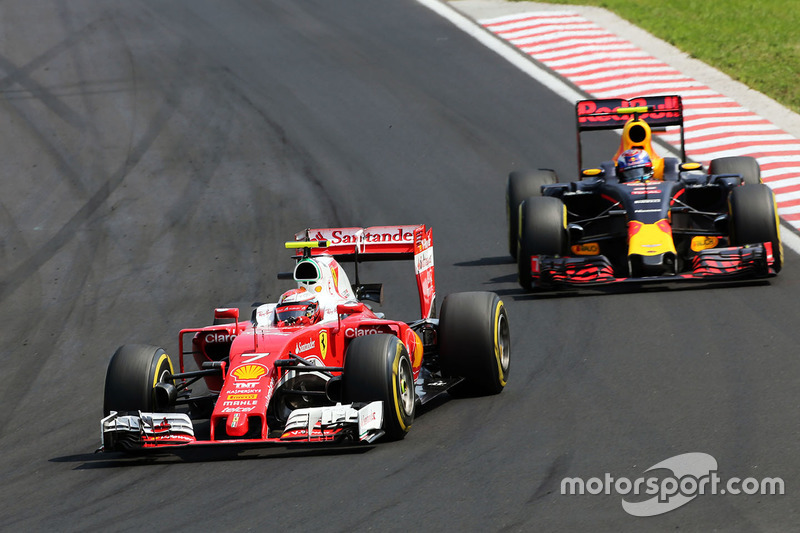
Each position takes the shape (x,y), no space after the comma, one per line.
(360,332)
(219,337)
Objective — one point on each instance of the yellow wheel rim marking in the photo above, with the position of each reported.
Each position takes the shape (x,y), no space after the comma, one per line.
(777,229)
(497,350)
(156,377)
(395,395)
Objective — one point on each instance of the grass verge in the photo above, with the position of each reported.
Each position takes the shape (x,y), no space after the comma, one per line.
(754,42)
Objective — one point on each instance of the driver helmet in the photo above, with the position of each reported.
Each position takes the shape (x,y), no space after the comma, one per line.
(297,307)
(634,164)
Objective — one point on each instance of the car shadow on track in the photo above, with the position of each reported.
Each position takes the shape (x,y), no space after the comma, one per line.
(488,261)
(632,288)
(91,461)
(517,293)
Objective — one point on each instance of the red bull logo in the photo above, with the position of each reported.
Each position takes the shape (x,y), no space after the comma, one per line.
(600,111)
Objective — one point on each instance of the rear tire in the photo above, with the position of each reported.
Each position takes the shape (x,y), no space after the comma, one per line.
(542,232)
(474,342)
(133,372)
(754,219)
(377,368)
(522,185)
(745,166)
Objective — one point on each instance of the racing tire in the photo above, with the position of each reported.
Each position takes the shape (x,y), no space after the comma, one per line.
(378,368)
(474,342)
(522,185)
(754,219)
(542,231)
(133,373)
(745,166)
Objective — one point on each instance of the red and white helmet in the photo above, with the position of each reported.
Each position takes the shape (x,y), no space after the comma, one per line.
(297,307)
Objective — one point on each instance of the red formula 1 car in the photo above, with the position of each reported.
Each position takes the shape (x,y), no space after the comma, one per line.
(641,217)
(318,365)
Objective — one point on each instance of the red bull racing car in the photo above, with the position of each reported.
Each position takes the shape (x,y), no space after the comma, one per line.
(641,217)
(318,365)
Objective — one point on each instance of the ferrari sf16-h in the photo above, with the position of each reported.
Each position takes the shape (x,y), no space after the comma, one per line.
(641,217)
(318,365)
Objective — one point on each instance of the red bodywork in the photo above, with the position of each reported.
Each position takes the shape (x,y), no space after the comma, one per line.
(250,366)
(252,376)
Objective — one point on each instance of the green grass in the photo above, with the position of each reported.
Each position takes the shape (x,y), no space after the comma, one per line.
(756,42)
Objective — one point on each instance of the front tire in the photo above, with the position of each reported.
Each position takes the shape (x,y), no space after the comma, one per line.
(522,185)
(754,219)
(745,166)
(474,341)
(133,373)
(542,232)
(378,368)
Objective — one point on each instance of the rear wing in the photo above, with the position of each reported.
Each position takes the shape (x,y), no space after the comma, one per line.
(614,113)
(379,243)
(365,244)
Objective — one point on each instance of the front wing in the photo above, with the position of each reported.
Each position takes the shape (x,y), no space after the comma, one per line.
(330,424)
(716,263)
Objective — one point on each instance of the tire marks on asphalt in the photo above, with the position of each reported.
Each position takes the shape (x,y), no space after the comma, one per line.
(62,293)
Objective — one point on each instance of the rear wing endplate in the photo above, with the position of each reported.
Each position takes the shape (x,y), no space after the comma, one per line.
(378,243)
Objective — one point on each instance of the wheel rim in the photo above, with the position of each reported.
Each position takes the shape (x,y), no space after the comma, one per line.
(162,377)
(503,351)
(405,386)
(163,368)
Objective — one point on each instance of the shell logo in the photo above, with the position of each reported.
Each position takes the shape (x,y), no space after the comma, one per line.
(249,372)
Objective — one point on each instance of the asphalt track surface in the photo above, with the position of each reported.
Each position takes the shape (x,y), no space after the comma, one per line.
(157,154)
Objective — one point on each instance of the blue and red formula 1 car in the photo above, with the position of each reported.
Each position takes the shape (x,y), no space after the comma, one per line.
(641,217)
(318,365)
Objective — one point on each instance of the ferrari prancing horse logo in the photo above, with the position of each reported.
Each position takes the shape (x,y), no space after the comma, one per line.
(323,343)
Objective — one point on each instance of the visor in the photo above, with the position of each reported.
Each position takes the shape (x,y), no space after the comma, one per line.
(289,311)
(637,173)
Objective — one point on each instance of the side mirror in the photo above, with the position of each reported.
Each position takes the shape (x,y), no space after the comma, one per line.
(592,173)
(349,309)
(226,312)
(690,167)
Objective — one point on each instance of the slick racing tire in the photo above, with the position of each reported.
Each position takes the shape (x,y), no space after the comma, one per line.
(133,373)
(377,367)
(474,342)
(542,232)
(522,185)
(745,166)
(754,219)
